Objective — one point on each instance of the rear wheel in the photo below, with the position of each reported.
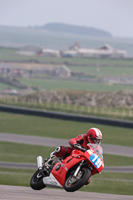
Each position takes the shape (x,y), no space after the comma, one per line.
(36,181)
(74,183)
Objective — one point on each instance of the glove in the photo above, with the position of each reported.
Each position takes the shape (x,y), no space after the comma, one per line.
(77,146)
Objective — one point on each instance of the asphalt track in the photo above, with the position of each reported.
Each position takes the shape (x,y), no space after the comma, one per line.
(52,142)
(24,139)
(26,193)
(123,169)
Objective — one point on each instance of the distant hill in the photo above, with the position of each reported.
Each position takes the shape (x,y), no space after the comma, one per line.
(11,36)
(82,30)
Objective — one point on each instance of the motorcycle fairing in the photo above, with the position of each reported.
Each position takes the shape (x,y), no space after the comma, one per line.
(51,180)
(60,169)
(67,164)
(95,161)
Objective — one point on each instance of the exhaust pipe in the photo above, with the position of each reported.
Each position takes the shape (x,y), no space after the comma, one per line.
(39,162)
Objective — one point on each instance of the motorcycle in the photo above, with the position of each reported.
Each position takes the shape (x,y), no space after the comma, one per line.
(70,173)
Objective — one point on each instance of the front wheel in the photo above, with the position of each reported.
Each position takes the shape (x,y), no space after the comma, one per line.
(74,183)
(36,181)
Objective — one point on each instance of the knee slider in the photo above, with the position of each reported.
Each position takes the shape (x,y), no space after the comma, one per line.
(58,149)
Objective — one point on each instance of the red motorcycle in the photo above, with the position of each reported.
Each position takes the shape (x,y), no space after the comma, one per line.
(71,173)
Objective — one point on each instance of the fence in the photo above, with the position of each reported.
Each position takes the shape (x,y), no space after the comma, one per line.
(65,116)
(126,113)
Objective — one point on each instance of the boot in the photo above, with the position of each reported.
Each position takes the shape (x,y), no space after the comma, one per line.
(88,181)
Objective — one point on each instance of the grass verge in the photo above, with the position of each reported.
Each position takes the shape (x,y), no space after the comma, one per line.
(25,153)
(111,113)
(115,183)
(55,128)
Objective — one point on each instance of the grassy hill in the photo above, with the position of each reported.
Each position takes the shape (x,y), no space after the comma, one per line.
(81,30)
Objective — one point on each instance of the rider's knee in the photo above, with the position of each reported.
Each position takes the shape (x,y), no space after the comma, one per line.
(60,151)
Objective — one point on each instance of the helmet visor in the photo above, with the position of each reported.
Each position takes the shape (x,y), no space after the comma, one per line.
(97,141)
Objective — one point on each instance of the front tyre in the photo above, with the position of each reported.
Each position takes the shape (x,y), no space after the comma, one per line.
(74,183)
(36,181)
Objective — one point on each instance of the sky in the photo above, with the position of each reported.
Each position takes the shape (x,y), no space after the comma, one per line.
(114,16)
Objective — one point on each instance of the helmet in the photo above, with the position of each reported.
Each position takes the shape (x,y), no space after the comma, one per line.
(94,135)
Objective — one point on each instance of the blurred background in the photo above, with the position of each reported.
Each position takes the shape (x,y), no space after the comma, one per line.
(67,56)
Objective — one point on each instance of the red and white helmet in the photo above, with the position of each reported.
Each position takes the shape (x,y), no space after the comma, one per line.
(94,135)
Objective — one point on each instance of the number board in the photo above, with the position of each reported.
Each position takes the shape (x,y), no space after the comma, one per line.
(95,159)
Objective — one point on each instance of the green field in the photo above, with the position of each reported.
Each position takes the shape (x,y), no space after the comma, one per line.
(94,67)
(115,183)
(22,153)
(5,86)
(103,70)
(49,84)
(46,127)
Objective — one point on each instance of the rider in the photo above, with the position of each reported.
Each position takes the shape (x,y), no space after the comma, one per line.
(93,136)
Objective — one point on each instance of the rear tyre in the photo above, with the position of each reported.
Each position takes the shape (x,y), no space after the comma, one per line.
(36,182)
(72,184)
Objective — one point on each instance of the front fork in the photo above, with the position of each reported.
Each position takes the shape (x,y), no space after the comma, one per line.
(78,169)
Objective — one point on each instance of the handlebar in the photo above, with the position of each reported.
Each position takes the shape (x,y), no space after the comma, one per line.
(80,148)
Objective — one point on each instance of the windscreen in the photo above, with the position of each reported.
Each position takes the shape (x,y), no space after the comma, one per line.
(98,149)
